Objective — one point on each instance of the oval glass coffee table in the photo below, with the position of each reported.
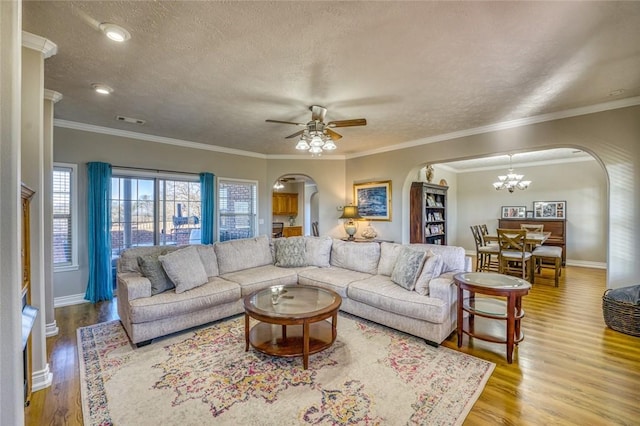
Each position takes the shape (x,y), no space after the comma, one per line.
(509,310)
(293,320)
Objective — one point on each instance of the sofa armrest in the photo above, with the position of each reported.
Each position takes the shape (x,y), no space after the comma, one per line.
(443,288)
(132,286)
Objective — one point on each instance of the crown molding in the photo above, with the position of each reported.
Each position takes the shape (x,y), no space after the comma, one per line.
(518,164)
(41,44)
(52,95)
(606,106)
(152,138)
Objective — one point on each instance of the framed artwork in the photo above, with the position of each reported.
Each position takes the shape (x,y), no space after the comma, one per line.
(373,200)
(512,212)
(529,214)
(550,209)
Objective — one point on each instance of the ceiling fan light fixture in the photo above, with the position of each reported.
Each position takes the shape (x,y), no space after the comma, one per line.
(329,145)
(302,144)
(316,151)
(316,141)
(115,32)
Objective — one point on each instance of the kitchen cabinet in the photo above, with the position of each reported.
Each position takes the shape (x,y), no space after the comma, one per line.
(292,231)
(285,204)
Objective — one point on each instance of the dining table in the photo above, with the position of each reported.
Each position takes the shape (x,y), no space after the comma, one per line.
(532,239)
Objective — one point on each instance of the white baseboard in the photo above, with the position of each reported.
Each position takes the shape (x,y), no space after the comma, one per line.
(74,299)
(51,329)
(41,379)
(569,262)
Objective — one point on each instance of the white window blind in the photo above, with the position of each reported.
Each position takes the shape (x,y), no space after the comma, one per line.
(237,206)
(63,225)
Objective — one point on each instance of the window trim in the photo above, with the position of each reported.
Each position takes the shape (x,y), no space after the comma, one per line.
(73,199)
(219,180)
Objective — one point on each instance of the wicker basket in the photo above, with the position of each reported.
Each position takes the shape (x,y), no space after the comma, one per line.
(622,316)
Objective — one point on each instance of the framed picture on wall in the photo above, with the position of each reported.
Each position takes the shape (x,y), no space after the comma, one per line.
(513,212)
(529,214)
(373,200)
(550,209)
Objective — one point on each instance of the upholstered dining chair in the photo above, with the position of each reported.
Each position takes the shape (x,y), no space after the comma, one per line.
(486,254)
(551,254)
(514,258)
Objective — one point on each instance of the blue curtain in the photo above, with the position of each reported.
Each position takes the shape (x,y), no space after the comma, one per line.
(207,197)
(100,286)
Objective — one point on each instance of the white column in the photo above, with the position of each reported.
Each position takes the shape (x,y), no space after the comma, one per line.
(50,98)
(11,397)
(35,50)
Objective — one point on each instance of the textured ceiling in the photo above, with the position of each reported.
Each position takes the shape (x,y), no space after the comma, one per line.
(212,72)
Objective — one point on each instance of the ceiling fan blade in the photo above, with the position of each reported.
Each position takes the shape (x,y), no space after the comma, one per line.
(285,122)
(333,135)
(318,113)
(348,123)
(295,134)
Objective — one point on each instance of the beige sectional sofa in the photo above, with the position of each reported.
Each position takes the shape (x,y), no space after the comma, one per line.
(212,280)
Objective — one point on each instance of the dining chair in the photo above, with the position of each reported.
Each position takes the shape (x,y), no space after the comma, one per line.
(276,229)
(532,227)
(314,229)
(514,258)
(552,253)
(486,254)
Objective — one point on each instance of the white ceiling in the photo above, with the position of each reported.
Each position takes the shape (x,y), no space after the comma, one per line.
(212,72)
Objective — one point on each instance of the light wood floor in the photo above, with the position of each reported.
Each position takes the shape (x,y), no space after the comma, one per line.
(570,368)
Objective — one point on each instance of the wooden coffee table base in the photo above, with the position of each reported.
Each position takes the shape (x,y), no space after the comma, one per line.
(289,340)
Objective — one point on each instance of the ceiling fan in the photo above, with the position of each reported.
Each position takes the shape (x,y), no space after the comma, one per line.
(318,136)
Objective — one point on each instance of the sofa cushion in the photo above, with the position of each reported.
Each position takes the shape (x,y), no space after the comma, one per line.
(409,264)
(169,304)
(318,251)
(360,257)
(290,252)
(432,269)
(185,268)
(336,279)
(209,260)
(388,256)
(453,257)
(151,268)
(253,279)
(236,255)
(380,292)
(128,260)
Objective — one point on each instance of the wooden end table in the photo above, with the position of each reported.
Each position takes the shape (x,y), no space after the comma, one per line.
(301,312)
(491,284)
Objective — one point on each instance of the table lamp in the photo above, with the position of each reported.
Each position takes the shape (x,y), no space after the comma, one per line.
(350,213)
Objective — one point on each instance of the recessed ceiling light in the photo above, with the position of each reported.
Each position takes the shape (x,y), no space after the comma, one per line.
(103,89)
(115,32)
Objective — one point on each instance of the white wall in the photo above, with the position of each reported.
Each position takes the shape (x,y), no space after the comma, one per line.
(582,185)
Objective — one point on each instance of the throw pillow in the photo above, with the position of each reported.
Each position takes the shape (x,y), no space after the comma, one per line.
(433,268)
(318,251)
(388,257)
(151,268)
(359,257)
(184,268)
(290,252)
(407,268)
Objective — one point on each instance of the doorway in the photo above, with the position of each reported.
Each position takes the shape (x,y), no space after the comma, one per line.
(295,204)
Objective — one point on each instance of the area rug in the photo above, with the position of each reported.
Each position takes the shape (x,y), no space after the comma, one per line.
(371,375)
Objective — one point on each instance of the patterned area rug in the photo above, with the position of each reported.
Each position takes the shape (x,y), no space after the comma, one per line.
(372,375)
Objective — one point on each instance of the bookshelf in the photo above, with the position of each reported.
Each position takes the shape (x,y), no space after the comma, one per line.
(428,213)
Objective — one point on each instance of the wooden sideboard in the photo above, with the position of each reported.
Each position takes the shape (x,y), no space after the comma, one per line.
(292,231)
(557,227)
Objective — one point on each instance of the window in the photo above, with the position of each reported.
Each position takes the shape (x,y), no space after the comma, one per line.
(65,252)
(150,210)
(237,206)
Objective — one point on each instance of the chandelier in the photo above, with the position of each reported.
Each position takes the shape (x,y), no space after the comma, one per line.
(511,181)
(278,185)
(315,140)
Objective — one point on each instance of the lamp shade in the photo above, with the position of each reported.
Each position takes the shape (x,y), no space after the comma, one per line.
(350,212)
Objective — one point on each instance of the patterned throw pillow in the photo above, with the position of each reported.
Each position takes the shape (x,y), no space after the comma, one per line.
(290,252)
(184,268)
(151,268)
(407,268)
(433,267)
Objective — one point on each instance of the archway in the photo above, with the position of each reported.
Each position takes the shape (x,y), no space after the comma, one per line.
(293,197)
(576,176)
